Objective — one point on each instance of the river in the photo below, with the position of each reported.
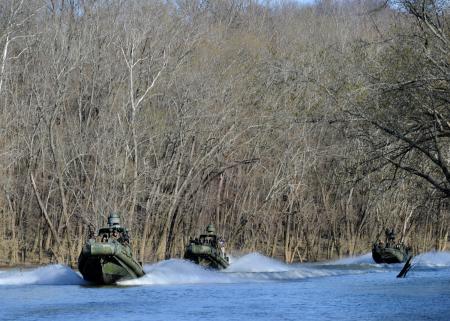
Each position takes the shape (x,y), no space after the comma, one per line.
(254,287)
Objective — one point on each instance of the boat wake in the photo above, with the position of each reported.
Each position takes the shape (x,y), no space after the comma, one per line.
(252,267)
(177,271)
(47,275)
(255,262)
(364,259)
(432,259)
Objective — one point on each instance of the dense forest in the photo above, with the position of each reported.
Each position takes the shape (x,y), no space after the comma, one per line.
(301,131)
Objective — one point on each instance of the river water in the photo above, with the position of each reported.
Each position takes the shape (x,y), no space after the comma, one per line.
(254,287)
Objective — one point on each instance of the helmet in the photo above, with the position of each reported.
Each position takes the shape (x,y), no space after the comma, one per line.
(114,220)
(210,229)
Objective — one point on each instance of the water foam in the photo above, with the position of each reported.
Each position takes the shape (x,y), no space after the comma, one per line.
(48,275)
(252,267)
(432,259)
(257,267)
(255,262)
(176,271)
(354,260)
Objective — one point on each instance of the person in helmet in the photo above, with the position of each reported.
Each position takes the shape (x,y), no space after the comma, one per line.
(114,220)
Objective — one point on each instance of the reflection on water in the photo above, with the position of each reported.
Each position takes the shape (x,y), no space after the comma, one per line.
(254,287)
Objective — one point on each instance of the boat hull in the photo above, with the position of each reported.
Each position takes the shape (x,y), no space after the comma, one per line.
(206,256)
(389,255)
(107,263)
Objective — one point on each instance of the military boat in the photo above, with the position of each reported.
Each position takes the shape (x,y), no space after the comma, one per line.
(391,252)
(107,258)
(208,250)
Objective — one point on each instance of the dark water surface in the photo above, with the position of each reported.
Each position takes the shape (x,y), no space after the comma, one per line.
(253,288)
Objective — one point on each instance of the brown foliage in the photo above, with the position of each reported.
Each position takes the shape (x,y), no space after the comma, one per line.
(264,120)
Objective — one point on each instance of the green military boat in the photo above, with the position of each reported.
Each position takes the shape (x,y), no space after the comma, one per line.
(391,252)
(208,250)
(107,258)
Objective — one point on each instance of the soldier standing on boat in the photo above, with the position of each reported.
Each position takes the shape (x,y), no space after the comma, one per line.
(222,246)
(115,234)
(114,220)
(125,237)
(390,236)
(211,232)
(218,242)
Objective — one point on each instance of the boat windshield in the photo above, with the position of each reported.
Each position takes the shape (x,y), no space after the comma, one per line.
(107,234)
(108,230)
(208,240)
